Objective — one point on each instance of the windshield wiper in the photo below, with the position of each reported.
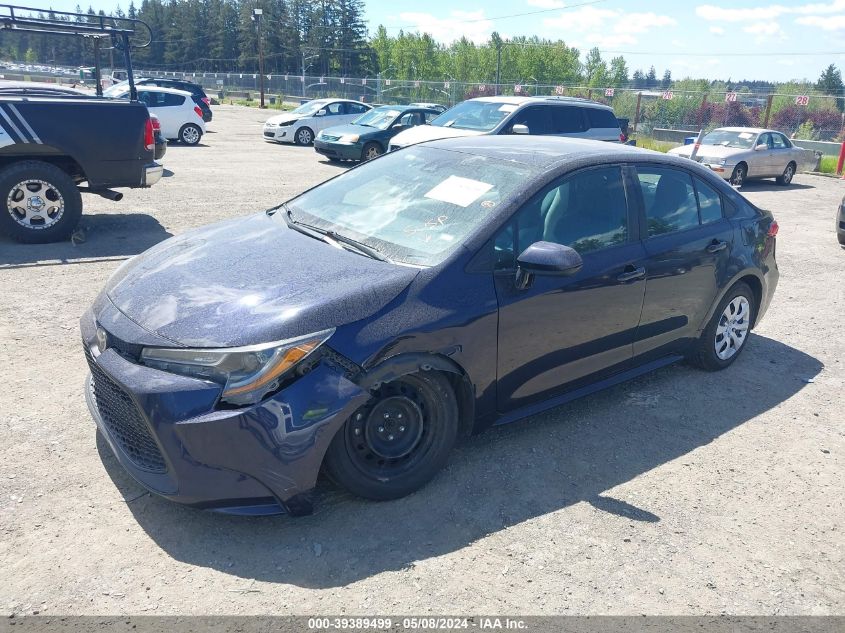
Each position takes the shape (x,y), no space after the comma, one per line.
(359,246)
(332,237)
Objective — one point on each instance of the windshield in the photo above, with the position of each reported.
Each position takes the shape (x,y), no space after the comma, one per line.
(309,108)
(475,115)
(116,89)
(726,138)
(414,206)
(380,118)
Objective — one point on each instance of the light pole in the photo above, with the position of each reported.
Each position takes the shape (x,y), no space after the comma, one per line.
(256,15)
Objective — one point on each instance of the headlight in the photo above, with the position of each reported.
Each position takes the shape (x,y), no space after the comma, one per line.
(349,138)
(246,373)
(284,123)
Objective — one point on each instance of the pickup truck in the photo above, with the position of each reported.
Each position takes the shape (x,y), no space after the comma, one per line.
(52,148)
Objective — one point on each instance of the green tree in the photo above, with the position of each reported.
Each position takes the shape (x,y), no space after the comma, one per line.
(830,83)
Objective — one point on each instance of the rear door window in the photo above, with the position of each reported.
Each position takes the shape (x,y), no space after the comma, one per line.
(709,202)
(601,118)
(566,120)
(669,198)
(172,100)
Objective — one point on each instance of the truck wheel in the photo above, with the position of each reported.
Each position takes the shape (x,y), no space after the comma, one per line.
(41,203)
(190,134)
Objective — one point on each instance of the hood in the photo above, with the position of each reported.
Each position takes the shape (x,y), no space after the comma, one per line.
(351,128)
(281,118)
(707,151)
(422,133)
(250,280)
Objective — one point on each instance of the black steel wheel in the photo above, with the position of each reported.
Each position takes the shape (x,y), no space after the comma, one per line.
(398,440)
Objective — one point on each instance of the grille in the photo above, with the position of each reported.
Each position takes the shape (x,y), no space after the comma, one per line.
(270,134)
(124,422)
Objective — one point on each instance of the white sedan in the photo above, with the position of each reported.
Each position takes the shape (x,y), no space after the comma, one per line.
(738,154)
(181,118)
(302,125)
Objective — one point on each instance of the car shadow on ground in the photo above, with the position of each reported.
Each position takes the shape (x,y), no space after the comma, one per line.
(770,185)
(573,453)
(98,237)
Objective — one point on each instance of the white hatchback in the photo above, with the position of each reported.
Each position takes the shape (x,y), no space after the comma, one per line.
(302,125)
(181,118)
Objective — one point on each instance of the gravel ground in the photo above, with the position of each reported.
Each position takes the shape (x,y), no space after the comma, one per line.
(682,492)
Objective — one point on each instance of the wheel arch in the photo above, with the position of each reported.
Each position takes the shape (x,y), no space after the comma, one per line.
(754,281)
(410,363)
(55,157)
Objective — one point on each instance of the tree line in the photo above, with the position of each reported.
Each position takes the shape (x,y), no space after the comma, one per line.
(330,38)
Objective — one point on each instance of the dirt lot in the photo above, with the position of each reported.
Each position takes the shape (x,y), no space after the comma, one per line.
(679,493)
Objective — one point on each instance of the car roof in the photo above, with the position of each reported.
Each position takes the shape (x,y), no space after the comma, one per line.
(543,99)
(753,130)
(172,91)
(404,108)
(547,152)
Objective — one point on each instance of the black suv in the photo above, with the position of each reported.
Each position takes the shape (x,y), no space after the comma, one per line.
(197,93)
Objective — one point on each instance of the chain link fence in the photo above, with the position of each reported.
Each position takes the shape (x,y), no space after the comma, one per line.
(807,116)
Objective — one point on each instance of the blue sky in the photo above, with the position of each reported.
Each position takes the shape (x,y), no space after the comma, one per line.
(689,38)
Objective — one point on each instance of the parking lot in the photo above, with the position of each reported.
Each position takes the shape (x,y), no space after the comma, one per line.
(682,492)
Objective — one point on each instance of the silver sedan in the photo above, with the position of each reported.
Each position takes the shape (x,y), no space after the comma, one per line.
(743,153)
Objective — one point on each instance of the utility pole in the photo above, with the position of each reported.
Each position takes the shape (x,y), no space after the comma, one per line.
(498,64)
(256,15)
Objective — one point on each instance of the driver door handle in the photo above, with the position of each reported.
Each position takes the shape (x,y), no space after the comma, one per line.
(715,246)
(631,273)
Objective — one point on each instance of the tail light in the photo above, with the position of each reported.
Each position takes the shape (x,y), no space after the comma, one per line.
(773,228)
(149,137)
(206,100)
(156,125)
(622,137)
(198,111)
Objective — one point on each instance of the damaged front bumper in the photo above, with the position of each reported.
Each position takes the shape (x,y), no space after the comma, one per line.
(170,434)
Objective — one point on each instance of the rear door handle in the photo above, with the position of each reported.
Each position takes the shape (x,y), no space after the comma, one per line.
(631,273)
(715,246)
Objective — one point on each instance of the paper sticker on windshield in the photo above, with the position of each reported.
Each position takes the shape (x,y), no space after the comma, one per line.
(745,135)
(508,107)
(459,191)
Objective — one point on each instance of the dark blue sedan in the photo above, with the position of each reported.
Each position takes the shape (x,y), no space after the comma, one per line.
(368,323)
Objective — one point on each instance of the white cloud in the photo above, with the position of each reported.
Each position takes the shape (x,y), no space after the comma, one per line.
(767,12)
(584,19)
(605,27)
(546,4)
(765,31)
(642,22)
(454,27)
(717,30)
(830,23)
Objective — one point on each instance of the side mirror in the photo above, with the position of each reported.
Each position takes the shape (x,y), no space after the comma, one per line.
(760,148)
(320,113)
(519,128)
(546,258)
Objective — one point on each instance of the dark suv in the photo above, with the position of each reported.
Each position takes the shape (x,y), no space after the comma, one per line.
(197,92)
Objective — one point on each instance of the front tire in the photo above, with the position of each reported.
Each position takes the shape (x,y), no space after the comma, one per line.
(726,334)
(304,136)
(41,203)
(786,179)
(190,134)
(397,441)
(740,173)
(371,151)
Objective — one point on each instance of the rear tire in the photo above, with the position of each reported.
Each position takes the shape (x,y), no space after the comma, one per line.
(726,334)
(190,134)
(397,441)
(788,173)
(40,203)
